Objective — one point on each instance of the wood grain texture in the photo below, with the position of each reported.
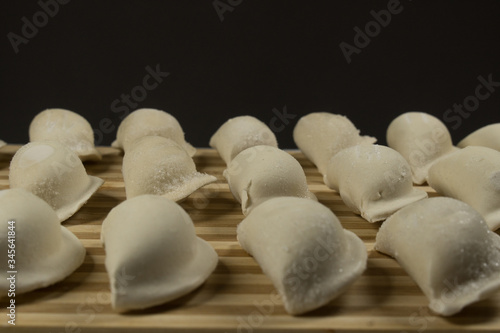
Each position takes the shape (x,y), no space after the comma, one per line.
(237,297)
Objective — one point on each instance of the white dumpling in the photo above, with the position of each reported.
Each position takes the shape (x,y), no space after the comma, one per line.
(421,139)
(54,173)
(65,127)
(45,251)
(263,172)
(471,175)
(150,122)
(301,246)
(157,165)
(152,253)
(240,133)
(321,135)
(374,181)
(2,143)
(446,247)
(487,136)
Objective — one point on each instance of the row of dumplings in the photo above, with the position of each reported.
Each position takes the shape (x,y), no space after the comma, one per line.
(376,182)
(444,244)
(299,243)
(76,132)
(148,237)
(152,252)
(260,176)
(372,180)
(48,184)
(283,217)
(273,173)
(469,172)
(157,159)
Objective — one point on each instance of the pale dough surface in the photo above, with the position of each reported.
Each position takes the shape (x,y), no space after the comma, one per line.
(66,127)
(150,122)
(157,165)
(373,180)
(301,246)
(321,135)
(421,139)
(447,248)
(471,175)
(152,253)
(487,136)
(52,171)
(240,133)
(263,172)
(45,251)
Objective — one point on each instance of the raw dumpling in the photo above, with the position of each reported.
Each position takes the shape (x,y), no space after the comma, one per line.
(45,251)
(446,247)
(374,181)
(471,175)
(54,173)
(321,135)
(487,136)
(263,172)
(157,165)
(65,127)
(301,246)
(152,253)
(150,122)
(240,133)
(421,139)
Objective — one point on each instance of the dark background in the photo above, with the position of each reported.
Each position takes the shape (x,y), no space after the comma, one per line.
(263,55)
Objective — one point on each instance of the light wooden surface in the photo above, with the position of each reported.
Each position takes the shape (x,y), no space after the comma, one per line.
(237,297)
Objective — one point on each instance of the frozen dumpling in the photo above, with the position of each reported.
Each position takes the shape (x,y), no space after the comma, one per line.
(240,133)
(487,136)
(374,181)
(446,247)
(301,246)
(54,173)
(152,253)
(321,135)
(150,122)
(65,127)
(421,139)
(157,165)
(471,175)
(44,251)
(263,172)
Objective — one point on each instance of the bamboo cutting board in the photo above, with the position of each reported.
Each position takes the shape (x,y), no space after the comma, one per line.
(237,297)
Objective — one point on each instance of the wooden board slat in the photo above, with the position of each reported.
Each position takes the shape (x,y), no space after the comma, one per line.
(237,297)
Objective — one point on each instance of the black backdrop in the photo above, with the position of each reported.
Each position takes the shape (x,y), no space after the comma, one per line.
(265,58)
